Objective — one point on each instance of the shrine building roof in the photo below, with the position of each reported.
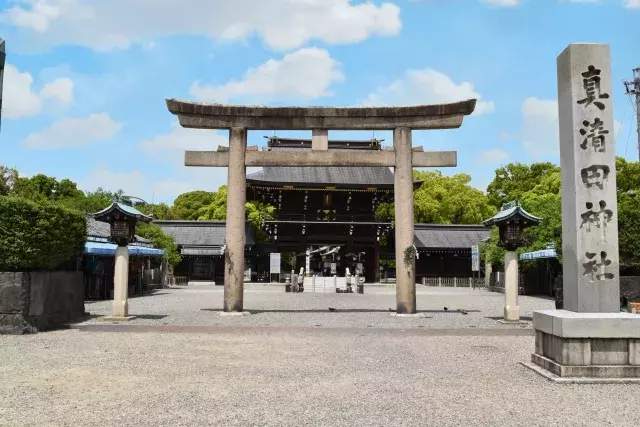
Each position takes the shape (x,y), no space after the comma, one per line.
(450,236)
(198,234)
(354,177)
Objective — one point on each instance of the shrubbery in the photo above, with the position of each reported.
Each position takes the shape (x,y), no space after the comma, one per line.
(160,240)
(38,236)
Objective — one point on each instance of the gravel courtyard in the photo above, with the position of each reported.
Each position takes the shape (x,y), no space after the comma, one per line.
(292,362)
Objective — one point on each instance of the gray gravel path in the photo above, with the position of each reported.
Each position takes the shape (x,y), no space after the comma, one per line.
(293,363)
(270,306)
(276,377)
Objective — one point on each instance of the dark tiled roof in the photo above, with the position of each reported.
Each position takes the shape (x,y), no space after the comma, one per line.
(97,228)
(201,233)
(449,236)
(370,176)
(361,176)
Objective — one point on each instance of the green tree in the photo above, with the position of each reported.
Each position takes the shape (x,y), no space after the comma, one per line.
(159,210)
(188,205)
(8,178)
(515,179)
(444,200)
(160,240)
(38,236)
(256,212)
(540,197)
(628,183)
(216,210)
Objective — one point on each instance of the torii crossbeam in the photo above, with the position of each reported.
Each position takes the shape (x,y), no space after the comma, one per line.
(403,157)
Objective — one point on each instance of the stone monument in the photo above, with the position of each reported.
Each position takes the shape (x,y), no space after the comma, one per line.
(590,340)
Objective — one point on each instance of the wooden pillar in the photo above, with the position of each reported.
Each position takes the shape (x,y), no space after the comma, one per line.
(235,236)
(376,262)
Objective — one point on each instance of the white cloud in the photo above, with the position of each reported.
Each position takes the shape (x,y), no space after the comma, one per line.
(171,146)
(427,86)
(22,100)
(632,4)
(60,90)
(494,155)
(74,132)
(540,127)
(540,131)
(302,75)
(139,184)
(132,182)
(281,24)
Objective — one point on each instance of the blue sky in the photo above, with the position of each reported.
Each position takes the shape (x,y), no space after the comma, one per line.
(86,79)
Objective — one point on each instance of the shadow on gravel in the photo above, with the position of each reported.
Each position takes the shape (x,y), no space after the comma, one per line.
(344,310)
(151,316)
(523,318)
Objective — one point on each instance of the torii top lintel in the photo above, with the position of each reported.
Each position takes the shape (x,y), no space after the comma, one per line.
(220,116)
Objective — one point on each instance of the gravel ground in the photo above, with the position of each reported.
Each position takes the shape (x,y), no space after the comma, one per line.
(293,363)
(270,306)
(274,377)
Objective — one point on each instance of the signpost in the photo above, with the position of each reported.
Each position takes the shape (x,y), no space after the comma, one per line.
(475,262)
(333,268)
(274,265)
(475,258)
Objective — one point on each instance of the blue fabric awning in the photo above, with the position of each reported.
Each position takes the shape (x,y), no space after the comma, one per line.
(98,248)
(545,253)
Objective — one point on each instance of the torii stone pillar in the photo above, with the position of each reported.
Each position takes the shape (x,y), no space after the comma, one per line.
(403,157)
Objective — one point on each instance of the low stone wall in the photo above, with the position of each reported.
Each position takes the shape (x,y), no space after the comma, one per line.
(630,287)
(35,301)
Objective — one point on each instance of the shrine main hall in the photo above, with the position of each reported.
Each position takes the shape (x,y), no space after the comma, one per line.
(329,211)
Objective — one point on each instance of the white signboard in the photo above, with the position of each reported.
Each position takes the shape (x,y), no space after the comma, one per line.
(359,268)
(307,264)
(274,263)
(475,258)
(333,268)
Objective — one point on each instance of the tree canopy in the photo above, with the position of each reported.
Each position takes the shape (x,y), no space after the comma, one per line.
(256,212)
(515,179)
(538,188)
(444,200)
(46,191)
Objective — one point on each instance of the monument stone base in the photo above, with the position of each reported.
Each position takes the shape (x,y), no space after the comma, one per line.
(576,347)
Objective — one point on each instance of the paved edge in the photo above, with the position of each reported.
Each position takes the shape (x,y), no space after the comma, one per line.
(221,329)
(577,380)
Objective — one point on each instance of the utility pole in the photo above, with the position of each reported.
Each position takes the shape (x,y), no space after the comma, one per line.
(633,88)
(3,56)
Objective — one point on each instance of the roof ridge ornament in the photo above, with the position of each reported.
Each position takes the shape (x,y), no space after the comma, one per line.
(510,205)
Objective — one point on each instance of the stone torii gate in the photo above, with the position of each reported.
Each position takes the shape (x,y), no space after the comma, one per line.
(403,157)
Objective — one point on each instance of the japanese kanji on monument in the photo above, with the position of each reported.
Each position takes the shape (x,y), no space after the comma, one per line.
(590,340)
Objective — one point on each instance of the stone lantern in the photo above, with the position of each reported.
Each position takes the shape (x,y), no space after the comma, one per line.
(122,219)
(511,222)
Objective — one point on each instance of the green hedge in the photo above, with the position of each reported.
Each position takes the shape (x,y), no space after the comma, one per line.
(38,236)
